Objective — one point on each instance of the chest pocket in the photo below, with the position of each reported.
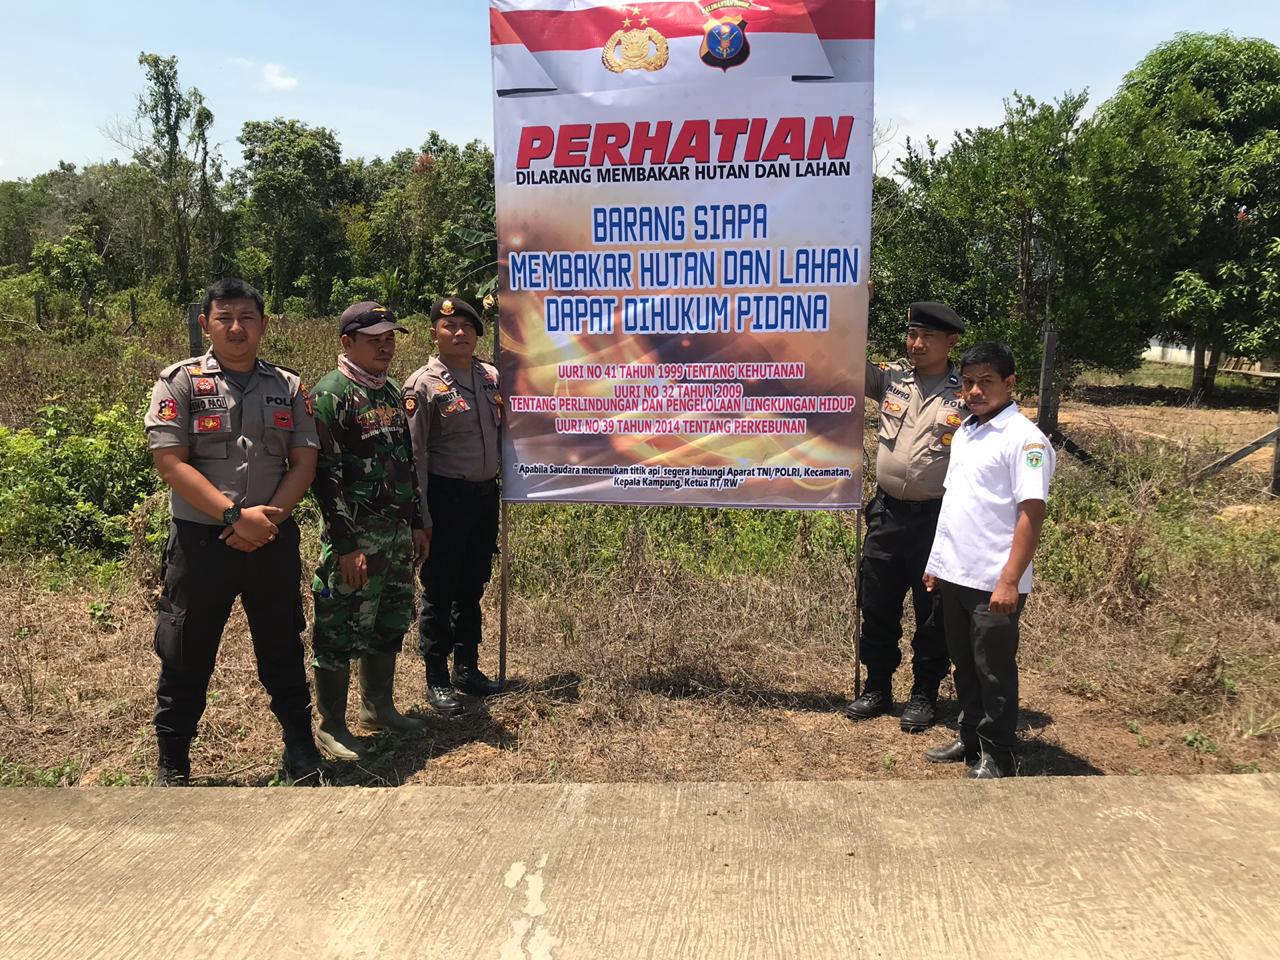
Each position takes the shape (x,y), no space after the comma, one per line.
(277,423)
(946,421)
(210,435)
(494,405)
(893,409)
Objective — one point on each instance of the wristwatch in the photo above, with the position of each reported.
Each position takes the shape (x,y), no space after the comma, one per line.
(231,515)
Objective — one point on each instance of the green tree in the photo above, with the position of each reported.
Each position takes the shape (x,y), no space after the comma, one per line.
(174,149)
(1044,221)
(296,183)
(1218,96)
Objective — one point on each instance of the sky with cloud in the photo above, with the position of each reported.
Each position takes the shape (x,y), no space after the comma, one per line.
(384,73)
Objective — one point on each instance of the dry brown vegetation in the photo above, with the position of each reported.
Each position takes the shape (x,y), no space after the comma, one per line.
(700,645)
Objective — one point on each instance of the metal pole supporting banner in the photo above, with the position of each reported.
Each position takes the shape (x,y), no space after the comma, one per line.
(504,583)
(193,329)
(857,605)
(504,555)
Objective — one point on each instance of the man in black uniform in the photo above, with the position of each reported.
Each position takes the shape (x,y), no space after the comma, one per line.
(232,437)
(455,415)
(921,407)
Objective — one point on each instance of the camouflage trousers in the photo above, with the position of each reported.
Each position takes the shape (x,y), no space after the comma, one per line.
(374,618)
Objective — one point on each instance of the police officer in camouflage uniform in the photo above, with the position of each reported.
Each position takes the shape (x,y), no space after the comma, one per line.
(373,531)
(921,407)
(232,437)
(455,414)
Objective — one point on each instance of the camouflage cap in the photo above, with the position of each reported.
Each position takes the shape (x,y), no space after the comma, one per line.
(369,318)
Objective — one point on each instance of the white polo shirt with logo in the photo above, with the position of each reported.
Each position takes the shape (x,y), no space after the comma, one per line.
(994,467)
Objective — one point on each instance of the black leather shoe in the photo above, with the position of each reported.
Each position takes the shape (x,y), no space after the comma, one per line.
(173,769)
(872,703)
(951,753)
(444,701)
(984,769)
(920,713)
(473,681)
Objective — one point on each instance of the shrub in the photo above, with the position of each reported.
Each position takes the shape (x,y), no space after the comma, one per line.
(65,486)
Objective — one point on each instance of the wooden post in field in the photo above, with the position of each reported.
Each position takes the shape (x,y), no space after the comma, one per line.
(133,310)
(1047,416)
(1275,462)
(193,329)
(39,308)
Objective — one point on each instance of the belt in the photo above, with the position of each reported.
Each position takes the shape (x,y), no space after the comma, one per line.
(470,488)
(219,527)
(909,506)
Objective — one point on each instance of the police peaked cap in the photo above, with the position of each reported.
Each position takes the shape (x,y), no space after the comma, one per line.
(457,307)
(934,316)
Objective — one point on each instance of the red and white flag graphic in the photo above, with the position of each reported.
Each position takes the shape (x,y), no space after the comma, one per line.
(581,46)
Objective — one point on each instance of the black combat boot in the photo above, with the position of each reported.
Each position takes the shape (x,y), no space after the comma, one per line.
(302,763)
(920,712)
(173,768)
(875,701)
(440,694)
(467,675)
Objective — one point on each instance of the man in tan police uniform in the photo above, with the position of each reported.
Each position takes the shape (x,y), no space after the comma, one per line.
(234,440)
(921,407)
(455,416)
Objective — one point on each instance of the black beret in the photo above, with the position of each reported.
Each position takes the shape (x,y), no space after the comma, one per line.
(457,307)
(934,316)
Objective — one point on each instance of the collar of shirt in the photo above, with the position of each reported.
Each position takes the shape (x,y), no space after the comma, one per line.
(995,423)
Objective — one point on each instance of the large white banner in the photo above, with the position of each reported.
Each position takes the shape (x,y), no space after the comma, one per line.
(684,217)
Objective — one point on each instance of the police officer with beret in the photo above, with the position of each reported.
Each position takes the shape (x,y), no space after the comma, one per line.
(455,414)
(921,407)
(232,437)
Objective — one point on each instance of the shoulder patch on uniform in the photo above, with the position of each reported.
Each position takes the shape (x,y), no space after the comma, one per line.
(1035,459)
(192,364)
(168,410)
(1034,446)
(410,402)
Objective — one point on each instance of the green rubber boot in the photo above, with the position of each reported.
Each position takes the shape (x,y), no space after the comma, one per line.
(333,738)
(377,681)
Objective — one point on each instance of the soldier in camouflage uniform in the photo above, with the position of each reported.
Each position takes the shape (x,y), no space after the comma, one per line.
(373,531)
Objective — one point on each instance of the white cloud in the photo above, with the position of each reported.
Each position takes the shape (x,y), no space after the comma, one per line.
(269,76)
(274,77)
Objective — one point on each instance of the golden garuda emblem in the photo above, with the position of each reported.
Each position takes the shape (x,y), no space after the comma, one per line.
(635,48)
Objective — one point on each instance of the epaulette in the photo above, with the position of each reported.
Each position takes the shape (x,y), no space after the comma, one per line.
(169,372)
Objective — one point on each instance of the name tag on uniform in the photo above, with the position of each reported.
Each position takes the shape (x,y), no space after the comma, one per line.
(201,404)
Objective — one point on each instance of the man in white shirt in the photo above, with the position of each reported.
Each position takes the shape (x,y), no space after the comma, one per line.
(997,488)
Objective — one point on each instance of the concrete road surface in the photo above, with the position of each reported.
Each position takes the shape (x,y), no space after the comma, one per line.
(1038,868)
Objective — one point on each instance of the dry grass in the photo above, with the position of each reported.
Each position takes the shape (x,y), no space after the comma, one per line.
(1151,644)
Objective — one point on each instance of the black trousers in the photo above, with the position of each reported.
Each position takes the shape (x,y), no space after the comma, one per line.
(899,538)
(464,539)
(984,648)
(202,578)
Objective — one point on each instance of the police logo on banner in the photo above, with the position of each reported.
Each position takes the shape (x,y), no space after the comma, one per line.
(724,43)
